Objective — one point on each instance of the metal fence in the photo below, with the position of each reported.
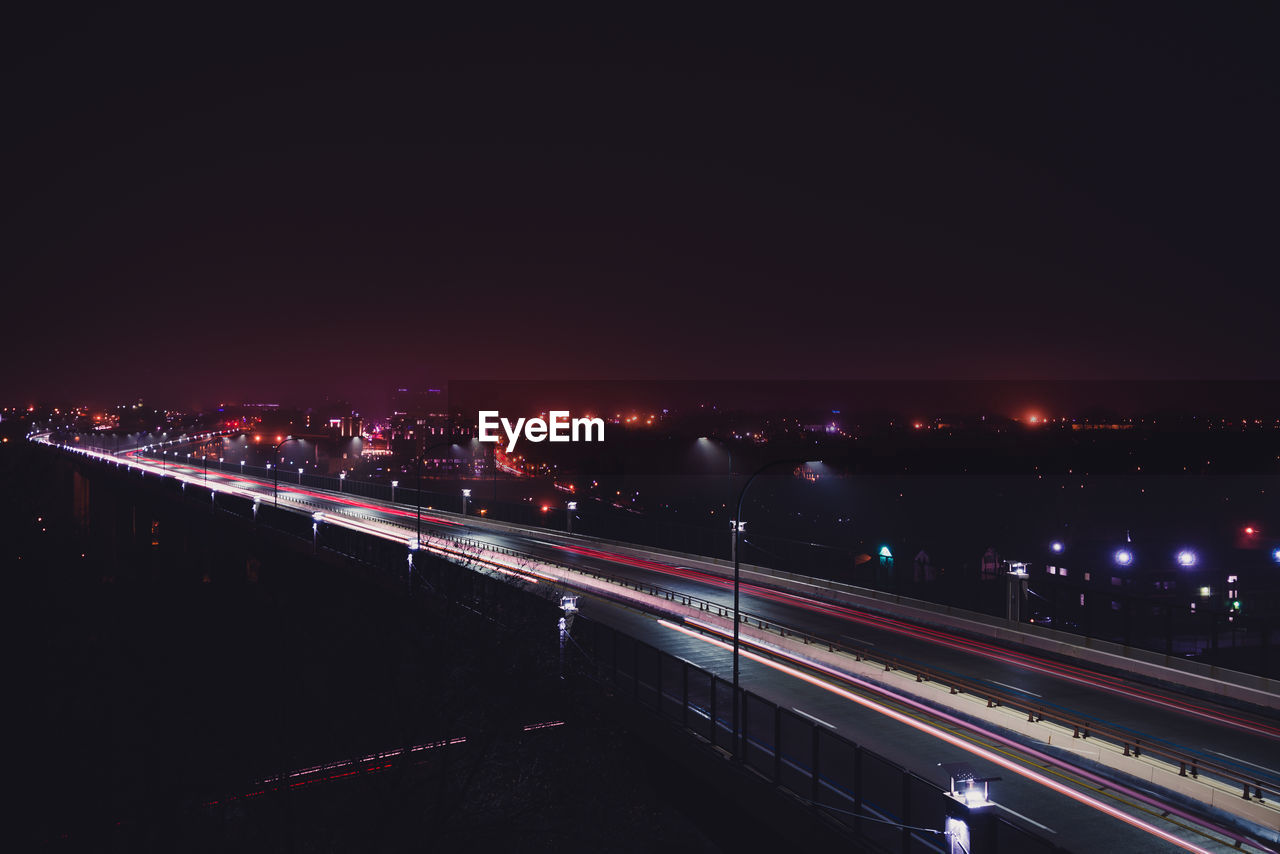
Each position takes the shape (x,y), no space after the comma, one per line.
(883,805)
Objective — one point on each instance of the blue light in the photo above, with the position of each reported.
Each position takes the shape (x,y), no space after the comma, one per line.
(1056,547)
(1275,555)
(1124,557)
(1187,557)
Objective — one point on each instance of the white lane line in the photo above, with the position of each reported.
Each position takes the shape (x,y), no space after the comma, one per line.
(811,717)
(1024,818)
(1247,762)
(1013,688)
(858,640)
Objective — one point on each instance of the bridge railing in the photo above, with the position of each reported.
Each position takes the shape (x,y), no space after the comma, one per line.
(881,804)
(1189,763)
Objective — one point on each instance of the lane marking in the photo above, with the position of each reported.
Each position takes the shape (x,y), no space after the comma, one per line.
(998,756)
(812,717)
(858,640)
(1013,688)
(1028,820)
(1247,762)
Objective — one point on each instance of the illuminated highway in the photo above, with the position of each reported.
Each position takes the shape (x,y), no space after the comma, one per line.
(1076,808)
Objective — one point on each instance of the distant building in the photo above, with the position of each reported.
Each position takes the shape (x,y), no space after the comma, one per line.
(418,415)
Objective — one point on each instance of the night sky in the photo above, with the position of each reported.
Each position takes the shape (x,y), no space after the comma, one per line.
(232,205)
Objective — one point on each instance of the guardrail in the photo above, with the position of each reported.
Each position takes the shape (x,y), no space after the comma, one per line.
(883,805)
(1083,727)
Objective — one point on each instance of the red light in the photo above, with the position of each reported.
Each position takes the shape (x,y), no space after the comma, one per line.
(545,508)
(1249,530)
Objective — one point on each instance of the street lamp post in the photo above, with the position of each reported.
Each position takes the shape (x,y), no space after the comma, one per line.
(299,476)
(466,496)
(342,475)
(275,453)
(737,585)
(394,484)
(570,508)
(733,523)
(418,491)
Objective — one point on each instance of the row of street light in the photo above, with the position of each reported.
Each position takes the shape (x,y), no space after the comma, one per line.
(737,528)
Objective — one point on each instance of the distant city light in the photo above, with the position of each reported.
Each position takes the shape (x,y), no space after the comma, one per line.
(1275,555)
(1056,547)
(1123,557)
(1187,557)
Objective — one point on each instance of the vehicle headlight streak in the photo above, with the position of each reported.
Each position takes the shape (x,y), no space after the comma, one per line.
(948,737)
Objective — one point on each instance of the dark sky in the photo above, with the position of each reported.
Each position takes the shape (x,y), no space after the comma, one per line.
(237,205)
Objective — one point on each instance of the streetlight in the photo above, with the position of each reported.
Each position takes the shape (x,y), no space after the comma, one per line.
(316,519)
(299,476)
(737,586)
(418,491)
(342,475)
(394,484)
(733,523)
(275,457)
(466,494)
(571,506)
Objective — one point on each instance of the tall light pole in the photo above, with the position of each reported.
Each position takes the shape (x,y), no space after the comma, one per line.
(737,584)
(466,495)
(394,484)
(299,476)
(569,508)
(275,454)
(342,475)
(418,492)
(733,523)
